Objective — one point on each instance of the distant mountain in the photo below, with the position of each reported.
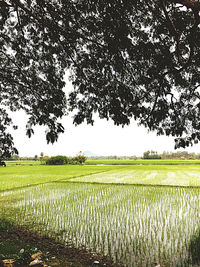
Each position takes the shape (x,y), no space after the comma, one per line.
(89,154)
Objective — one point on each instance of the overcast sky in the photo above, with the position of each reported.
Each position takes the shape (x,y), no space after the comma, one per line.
(102,139)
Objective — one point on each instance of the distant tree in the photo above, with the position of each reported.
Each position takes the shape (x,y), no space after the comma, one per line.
(80,158)
(41,155)
(57,160)
(179,155)
(36,157)
(146,155)
(134,157)
(127,59)
(45,159)
(151,155)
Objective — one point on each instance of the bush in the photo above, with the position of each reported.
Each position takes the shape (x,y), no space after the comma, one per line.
(79,159)
(62,160)
(73,162)
(57,160)
(45,159)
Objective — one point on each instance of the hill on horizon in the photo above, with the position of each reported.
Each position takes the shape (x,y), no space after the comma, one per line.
(90,154)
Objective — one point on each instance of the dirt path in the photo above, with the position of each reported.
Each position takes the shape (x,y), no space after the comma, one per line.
(52,253)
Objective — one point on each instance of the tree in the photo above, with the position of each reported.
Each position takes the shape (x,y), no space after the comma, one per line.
(151,155)
(45,159)
(128,59)
(57,160)
(41,155)
(80,158)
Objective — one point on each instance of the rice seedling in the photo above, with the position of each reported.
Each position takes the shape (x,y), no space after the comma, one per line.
(134,225)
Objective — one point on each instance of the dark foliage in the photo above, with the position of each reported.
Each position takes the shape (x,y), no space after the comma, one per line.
(194,248)
(128,59)
(2,163)
(151,155)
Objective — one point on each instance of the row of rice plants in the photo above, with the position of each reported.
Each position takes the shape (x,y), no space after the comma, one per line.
(137,226)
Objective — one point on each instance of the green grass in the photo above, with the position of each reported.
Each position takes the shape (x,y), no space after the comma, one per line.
(142,162)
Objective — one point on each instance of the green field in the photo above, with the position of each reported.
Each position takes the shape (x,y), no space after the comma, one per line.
(174,175)
(103,209)
(20,176)
(143,162)
(114,162)
(23,162)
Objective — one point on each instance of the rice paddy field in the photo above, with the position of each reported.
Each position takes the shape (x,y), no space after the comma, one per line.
(144,215)
(23,162)
(113,162)
(142,162)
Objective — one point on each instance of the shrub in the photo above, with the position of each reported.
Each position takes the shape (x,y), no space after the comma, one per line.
(74,162)
(57,160)
(45,159)
(79,159)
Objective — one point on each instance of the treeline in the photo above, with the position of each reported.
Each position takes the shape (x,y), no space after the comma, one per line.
(182,155)
(55,160)
(113,157)
(151,155)
(81,158)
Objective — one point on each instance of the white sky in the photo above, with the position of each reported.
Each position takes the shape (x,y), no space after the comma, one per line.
(104,138)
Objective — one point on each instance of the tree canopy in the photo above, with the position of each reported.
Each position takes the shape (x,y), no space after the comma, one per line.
(127,59)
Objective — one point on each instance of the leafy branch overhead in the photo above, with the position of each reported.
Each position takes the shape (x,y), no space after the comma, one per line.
(128,59)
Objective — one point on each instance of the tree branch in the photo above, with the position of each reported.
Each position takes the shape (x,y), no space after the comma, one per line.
(191,4)
(174,32)
(55,28)
(192,39)
(194,5)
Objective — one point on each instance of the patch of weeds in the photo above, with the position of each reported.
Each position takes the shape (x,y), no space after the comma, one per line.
(13,247)
(18,251)
(6,225)
(194,249)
